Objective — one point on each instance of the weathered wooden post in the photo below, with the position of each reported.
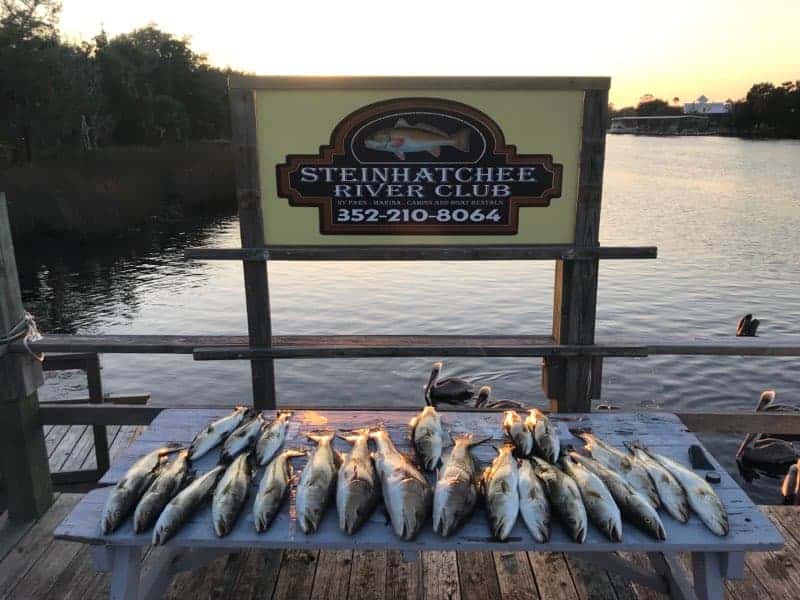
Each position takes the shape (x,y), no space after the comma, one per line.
(569,380)
(23,453)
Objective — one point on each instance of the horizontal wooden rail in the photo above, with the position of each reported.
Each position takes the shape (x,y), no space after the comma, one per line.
(97,414)
(407,346)
(423,252)
(104,414)
(743,422)
(108,399)
(328,346)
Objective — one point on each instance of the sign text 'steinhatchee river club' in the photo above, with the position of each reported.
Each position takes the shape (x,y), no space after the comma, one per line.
(419,166)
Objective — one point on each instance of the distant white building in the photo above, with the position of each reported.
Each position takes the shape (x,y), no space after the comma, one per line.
(702,106)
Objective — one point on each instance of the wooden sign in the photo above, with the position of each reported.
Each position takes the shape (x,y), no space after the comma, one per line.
(418,161)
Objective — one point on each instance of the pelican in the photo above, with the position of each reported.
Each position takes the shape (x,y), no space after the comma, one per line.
(451,390)
(747,326)
(765,450)
(483,400)
(790,488)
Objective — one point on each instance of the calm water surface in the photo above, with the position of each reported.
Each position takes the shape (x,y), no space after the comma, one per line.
(724,213)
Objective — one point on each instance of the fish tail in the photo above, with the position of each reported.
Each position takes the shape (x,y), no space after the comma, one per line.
(461,139)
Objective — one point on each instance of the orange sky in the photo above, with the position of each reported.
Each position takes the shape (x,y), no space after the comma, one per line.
(712,47)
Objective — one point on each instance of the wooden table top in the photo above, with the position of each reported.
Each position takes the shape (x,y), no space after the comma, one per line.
(662,432)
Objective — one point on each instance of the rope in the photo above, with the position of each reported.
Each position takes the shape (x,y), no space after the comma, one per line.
(28,331)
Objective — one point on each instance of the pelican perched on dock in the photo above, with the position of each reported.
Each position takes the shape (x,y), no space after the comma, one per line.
(761,449)
(450,390)
(484,400)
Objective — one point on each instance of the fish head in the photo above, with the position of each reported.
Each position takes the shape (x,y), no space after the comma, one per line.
(162,533)
(379,140)
(510,417)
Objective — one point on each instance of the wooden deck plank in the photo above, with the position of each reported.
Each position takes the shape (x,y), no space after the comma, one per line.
(402,577)
(642,592)
(198,583)
(65,447)
(368,575)
(440,576)
(332,578)
(44,573)
(258,575)
(34,544)
(514,576)
(79,580)
(296,576)
(553,579)
(477,577)
(591,582)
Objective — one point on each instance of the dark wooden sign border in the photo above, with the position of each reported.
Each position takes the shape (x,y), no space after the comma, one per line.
(568,381)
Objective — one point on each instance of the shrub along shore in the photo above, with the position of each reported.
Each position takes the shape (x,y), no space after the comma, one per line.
(112,190)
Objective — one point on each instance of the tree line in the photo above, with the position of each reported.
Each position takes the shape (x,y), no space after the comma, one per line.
(768,111)
(145,87)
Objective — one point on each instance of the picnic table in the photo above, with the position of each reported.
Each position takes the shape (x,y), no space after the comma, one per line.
(713,558)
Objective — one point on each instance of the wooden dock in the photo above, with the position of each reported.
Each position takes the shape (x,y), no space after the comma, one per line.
(33,565)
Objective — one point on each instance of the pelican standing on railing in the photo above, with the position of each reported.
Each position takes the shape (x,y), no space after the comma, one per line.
(451,390)
(760,449)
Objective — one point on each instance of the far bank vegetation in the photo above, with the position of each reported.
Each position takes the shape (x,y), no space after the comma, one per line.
(100,136)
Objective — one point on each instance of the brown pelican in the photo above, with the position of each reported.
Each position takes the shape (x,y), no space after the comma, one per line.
(747,326)
(760,449)
(483,400)
(451,390)
(790,488)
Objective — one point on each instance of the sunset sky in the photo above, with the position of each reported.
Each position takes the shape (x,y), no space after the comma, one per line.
(681,48)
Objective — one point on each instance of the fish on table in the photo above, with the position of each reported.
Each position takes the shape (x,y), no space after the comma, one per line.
(317,482)
(702,498)
(456,491)
(516,430)
(565,498)
(170,480)
(272,489)
(620,462)
(271,438)
(419,137)
(216,432)
(184,505)
(500,483)
(131,487)
(533,503)
(426,436)
(406,492)
(230,493)
(633,505)
(670,491)
(357,483)
(546,443)
(241,439)
(597,499)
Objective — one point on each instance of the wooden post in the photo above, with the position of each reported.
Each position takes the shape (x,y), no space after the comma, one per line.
(94,382)
(248,192)
(575,299)
(23,453)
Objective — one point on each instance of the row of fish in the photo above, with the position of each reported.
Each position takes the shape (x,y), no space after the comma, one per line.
(601,488)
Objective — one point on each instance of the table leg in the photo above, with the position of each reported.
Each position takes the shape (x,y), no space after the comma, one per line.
(126,566)
(707,570)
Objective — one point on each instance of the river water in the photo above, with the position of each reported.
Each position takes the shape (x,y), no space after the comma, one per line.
(724,213)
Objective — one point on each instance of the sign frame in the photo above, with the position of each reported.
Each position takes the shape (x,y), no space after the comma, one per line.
(569,382)
(251,85)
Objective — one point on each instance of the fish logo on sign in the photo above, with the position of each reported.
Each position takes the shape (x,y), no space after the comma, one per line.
(419,166)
